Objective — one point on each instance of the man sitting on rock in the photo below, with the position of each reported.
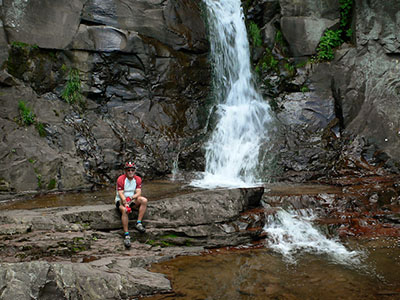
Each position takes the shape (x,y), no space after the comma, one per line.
(129,189)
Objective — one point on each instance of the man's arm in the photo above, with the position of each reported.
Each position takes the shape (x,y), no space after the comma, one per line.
(122,196)
(138,193)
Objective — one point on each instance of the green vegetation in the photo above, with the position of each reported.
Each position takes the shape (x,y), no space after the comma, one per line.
(302,64)
(22,45)
(166,241)
(304,89)
(330,40)
(290,69)
(246,5)
(281,43)
(27,117)
(41,129)
(267,63)
(334,38)
(39,178)
(52,184)
(72,91)
(255,34)
(17,62)
(78,244)
(26,114)
(346,7)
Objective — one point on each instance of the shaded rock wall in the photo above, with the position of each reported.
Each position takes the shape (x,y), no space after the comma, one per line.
(331,117)
(144,78)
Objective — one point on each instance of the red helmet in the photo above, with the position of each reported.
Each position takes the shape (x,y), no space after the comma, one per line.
(129,165)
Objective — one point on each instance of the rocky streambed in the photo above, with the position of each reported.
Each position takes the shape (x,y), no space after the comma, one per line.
(77,252)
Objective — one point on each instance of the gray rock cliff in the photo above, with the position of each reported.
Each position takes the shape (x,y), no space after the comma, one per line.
(143,78)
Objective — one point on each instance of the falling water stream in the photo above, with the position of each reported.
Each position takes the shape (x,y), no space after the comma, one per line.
(232,153)
(291,232)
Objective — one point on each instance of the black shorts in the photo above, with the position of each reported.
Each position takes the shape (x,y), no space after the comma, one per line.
(132,205)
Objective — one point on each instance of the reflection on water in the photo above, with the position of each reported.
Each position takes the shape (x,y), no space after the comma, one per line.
(153,190)
(263,274)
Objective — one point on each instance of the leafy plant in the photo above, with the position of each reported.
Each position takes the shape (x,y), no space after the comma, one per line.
(27,116)
(255,34)
(52,184)
(72,91)
(22,45)
(330,40)
(279,37)
(304,89)
(290,68)
(345,12)
(267,63)
(334,38)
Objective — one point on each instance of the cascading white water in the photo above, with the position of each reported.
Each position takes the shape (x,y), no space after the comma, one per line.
(290,232)
(232,153)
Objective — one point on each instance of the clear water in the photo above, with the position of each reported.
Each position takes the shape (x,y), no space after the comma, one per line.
(262,274)
(233,151)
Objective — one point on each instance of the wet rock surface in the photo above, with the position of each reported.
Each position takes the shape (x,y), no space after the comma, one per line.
(88,240)
(349,206)
(78,252)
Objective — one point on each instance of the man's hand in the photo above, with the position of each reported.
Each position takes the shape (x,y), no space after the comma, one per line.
(128,199)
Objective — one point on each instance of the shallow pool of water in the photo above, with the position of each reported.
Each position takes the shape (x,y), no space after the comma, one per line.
(153,190)
(263,274)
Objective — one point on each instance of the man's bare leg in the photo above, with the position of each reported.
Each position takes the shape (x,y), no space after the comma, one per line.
(124,218)
(141,203)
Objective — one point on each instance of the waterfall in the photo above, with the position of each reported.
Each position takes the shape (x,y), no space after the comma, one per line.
(292,232)
(235,149)
(232,152)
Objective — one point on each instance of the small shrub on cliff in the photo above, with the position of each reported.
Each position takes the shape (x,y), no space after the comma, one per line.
(72,91)
(330,40)
(334,38)
(41,129)
(27,116)
(346,7)
(255,34)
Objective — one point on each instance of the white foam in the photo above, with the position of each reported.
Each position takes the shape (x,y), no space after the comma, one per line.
(232,153)
(290,233)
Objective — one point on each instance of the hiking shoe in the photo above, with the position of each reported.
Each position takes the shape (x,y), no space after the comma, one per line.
(127,241)
(140,227)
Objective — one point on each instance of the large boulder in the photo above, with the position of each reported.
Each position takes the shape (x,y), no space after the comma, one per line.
(304,22)
(366,81)
(308,109)
(48,24)
(108,279)
(208,218)
(173,23)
